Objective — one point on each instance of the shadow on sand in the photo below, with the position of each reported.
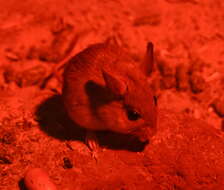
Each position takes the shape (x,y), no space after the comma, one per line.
(54,121)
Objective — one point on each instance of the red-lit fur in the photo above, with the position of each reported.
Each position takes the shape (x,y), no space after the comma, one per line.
(100,82)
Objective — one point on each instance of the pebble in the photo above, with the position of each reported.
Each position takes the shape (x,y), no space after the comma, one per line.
(197,83)
(61,46)
(67,163)
(166,68)
(5,159)
(32,52)
(9,75)
(38,179)
(168,72)
(58,25)
(7,138)
(12,56)
(168,82)
(153,20)
(222,125)
(218,106)
(182,77)
(27,77)
(31,76)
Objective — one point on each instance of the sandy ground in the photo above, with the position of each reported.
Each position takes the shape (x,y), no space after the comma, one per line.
(186,153)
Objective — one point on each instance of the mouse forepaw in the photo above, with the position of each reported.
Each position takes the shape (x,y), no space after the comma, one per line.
(92,143)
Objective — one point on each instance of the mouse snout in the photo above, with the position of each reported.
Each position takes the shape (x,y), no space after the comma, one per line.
(145,133)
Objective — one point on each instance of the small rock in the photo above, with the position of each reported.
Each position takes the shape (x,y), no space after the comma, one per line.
(67,163)
(155,84)
(182,77)
(24,124)
(6,121)
(31,76)
(218,106)
(38,179)
(167,82)
(153,20)
(28,77)
(45,55)
(9,75)
(11,55)
(197,83)
(61,46)
(168,72)
(5,159)
(53,84)
(196,65)
(7,138)
(213,77)
(197,114)
(32,53)
(58,25)
(166,68)
(222,125)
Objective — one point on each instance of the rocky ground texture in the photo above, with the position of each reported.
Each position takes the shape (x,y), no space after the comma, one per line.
(187,152)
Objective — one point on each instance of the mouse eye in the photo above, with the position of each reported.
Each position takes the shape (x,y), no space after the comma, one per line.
(155,100)
(133,115)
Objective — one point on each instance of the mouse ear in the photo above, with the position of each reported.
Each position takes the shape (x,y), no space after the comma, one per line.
(116,85)
(148,61)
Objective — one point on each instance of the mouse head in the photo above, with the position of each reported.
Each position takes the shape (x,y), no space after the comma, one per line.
(134,111)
